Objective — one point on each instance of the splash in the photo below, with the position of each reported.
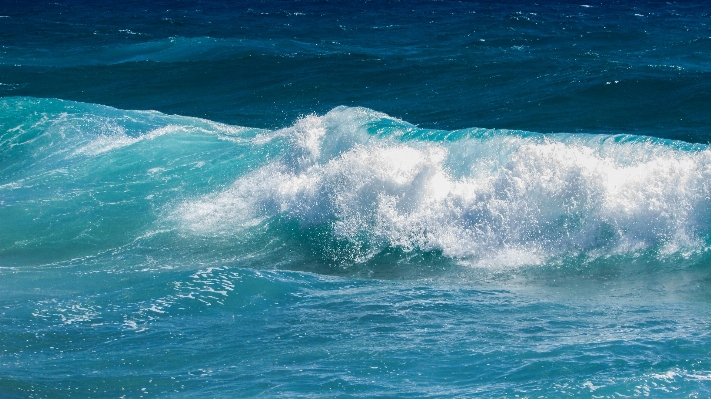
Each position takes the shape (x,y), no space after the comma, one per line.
(491,197)
(351,184)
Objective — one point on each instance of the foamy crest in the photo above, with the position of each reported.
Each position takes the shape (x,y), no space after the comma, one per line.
(497,199)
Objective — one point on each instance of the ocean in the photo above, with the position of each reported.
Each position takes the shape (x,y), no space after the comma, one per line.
(306,199)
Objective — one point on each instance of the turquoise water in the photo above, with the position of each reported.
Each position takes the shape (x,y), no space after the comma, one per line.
(205,199)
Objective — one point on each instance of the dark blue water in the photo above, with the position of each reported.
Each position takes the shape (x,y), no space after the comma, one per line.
(392,199)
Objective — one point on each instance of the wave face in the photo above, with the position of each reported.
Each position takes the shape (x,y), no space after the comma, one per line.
(342,188)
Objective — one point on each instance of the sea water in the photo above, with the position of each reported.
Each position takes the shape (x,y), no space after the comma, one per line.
(328,199)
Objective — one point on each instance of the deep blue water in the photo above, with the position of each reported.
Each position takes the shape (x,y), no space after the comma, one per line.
(363,199)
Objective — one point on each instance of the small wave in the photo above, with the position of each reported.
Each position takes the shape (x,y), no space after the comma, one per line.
(172,49)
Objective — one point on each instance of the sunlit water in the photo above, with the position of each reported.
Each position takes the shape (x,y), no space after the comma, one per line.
(319,200)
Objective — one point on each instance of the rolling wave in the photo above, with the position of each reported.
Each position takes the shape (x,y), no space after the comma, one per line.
(77,179)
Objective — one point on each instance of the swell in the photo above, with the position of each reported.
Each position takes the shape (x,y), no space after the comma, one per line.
(349,187)
(486,196)
(171,49)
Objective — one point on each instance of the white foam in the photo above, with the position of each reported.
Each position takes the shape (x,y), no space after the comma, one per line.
(499,200)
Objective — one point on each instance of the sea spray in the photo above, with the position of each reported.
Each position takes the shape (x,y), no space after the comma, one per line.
(477,197)
(354,175)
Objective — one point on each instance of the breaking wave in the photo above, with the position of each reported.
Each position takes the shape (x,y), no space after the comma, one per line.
(353,180)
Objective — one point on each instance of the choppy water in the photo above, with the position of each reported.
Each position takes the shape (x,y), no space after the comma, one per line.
(403,199)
